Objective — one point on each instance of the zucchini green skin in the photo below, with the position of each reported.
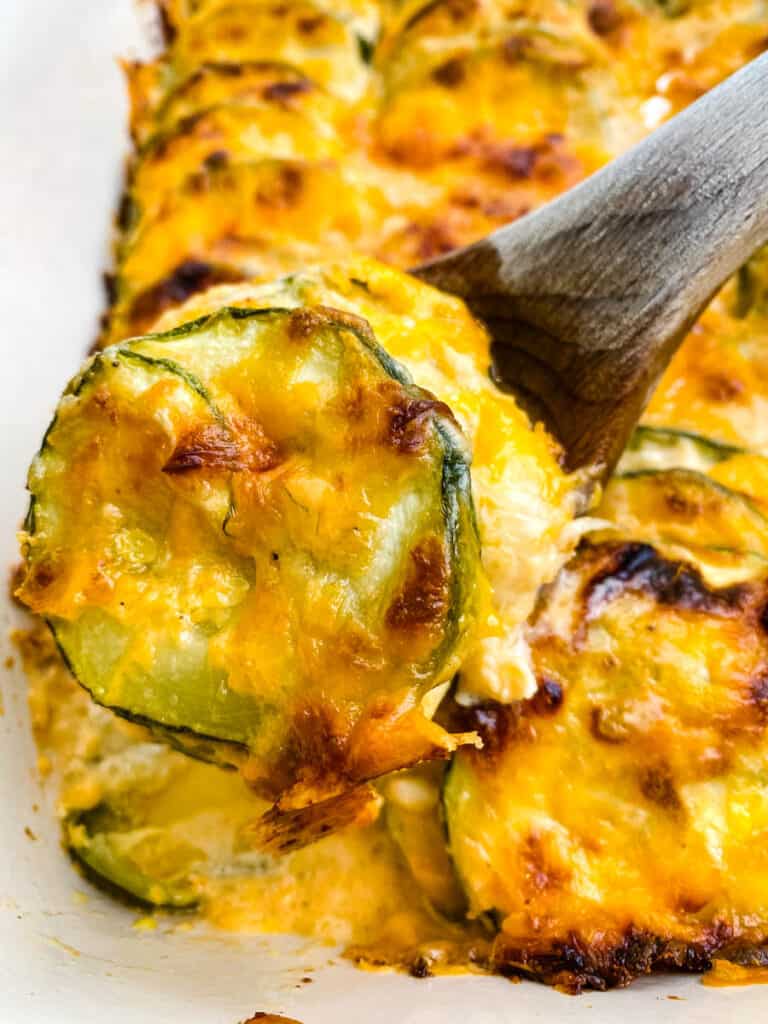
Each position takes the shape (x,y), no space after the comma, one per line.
(107,856)
(662,448)
(129,655)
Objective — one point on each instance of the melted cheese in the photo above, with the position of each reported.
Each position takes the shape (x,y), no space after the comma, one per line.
(524,501)
(470,115)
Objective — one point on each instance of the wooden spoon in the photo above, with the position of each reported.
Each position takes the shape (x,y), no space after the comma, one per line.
(588,298)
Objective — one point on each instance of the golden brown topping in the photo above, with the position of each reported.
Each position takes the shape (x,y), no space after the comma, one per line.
(304,322)
(719,387)
(283,92)
(280,831)
(310,25)
(450,74)
(187,279)
(540,870)
(604,17)
(410,421)
(658,785)
(244,447)
(286,189)
(424,599)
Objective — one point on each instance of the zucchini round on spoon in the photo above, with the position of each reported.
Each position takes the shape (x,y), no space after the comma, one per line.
(256,529)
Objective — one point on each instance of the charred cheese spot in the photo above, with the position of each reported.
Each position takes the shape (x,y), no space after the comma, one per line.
(238,448)
(720,388)
(639,567)
(189,277)
(285,190)
(410,422)
(424,598)
(284,92)
(657,784)
(548,698)
(451,73)
(604,17)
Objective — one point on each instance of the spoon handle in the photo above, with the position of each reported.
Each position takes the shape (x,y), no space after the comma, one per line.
(588,298)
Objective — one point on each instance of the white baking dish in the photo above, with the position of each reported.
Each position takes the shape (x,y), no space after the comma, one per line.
(68,954)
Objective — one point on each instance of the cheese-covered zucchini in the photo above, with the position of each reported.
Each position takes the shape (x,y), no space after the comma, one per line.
(163,825)
(362,15)
(256,529)
(525,502)
(414,818)
(691,515)
(322,42)
(239,220)
(251,83)
(172,832)
(662,448)
(609,823)
(233,132)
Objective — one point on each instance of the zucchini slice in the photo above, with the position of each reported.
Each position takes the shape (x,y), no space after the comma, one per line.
(303,34)
(248,216)
(264,88)
(688,514)
(608,824)
(363,15)
(652,448)
(249,84)
(163,827)
(256,529)
(414,817)
(440,31)
(227,134)
(527,122)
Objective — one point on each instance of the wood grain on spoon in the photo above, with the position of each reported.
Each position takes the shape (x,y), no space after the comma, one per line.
(588,298)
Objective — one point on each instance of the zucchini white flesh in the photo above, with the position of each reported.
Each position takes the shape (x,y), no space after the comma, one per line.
(255,529)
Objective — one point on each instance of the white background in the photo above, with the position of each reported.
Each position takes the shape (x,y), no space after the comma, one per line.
(67,955)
